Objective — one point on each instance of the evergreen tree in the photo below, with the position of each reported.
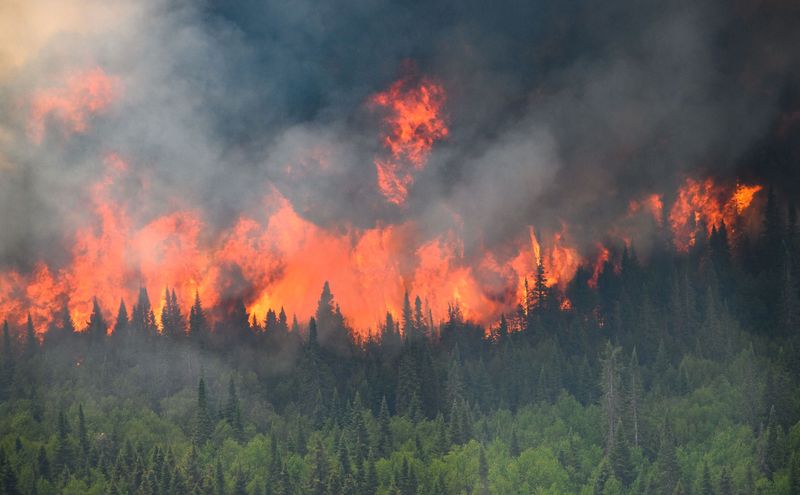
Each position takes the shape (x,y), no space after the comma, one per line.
(121,323)
(483,472)
(143,319)
(668,469)
(8,364)
(198,325)
(233,414)
(219,479)
(203,426)
(83,438)
(706,488)
(794,474)
(408,384)
(31,342)
(725,482)
(620,458)
(635,391)
(319,471)
(63,451)
(384,430)
(97,326)
(612,391)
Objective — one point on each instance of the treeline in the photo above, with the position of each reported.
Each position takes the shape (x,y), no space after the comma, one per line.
(678,375)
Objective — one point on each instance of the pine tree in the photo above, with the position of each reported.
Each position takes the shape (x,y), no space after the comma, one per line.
(233,414)
(8,478)
(173,324)
(706,488)
(143,319)
(219,479)
(240,484)
(8,364)
(31,342)
(122,321)
(794,474)
(83,438)
(203,426)
(42,464)
(610,383)
(540,290)
(483,472)
(725,482)
(634,391)
(198,325)
(319,471)
(97,326)
(668,469)
(620,458)
(358,430)
(384,430)
(409,330)
(408,384)
(63,453)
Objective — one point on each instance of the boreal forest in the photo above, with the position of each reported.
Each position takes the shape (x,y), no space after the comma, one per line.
(676,375)
(399,247)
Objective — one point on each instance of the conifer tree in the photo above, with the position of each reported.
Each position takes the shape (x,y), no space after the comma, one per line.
(8,364)
(203,426)
(97,326)
(233,414)
(384,430)
(483,472)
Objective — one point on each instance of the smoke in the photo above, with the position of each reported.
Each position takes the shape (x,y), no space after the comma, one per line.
(559,112)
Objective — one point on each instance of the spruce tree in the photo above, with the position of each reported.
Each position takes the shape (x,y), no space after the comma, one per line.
(203,426)
(233,413)
(384,430)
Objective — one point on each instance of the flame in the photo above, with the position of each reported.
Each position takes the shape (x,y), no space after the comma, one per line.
(281,260)
(706,203)
(652,203)
(82,95)
(414,122)
(743,196)
(602,257)
(273,257)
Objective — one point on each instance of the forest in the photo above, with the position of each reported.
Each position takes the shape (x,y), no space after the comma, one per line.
(677,373)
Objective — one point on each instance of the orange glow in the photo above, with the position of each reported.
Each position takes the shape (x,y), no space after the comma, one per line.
(706,203)
(82,95)
(743,196)
(599,263)
(279,261)
(653,204)
(414,122)
(560,261)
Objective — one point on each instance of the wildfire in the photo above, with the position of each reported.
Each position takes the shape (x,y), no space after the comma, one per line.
(82,95)
(414,122)
(704,203)
(602,257)
(273,257)
(652,203)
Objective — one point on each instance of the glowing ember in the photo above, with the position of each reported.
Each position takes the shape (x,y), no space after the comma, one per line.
(83,94)
(414,122)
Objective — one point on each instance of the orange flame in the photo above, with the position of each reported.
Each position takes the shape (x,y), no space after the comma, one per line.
(652,203)
(83,94)
(599,263)
(414,123)
(706,203)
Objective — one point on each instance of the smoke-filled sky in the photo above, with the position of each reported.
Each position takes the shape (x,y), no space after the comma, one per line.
(557,112)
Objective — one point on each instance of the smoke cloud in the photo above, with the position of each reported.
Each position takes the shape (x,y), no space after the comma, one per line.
(559,113)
